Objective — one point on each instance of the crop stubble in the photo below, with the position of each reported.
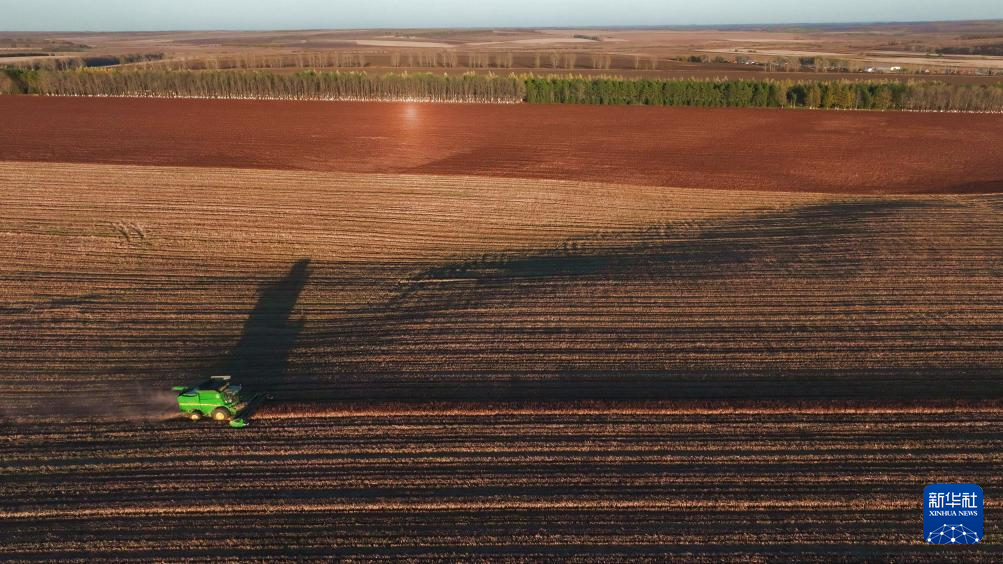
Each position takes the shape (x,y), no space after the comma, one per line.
(621,485)
(343,287)
(368,287)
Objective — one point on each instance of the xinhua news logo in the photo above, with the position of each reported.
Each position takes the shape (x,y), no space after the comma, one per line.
(952,514)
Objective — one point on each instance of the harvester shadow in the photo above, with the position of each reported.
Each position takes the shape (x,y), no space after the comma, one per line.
(444,334)
(260,357)
(713,249)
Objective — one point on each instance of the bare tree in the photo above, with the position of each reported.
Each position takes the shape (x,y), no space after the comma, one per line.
(601,60)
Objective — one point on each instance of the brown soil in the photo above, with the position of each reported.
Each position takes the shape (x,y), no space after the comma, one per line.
(785,150)
(635,487)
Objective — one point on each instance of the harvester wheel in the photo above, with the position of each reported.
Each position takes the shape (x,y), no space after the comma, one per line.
(220,414)
(195,415)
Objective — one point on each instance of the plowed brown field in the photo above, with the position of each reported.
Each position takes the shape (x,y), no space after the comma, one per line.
(471,367)
(621,486)
(831,151)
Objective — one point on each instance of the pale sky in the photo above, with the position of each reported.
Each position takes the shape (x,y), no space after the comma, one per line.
(143,15)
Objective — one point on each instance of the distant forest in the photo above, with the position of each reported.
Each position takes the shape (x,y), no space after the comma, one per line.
(471,87)
(768,93)
(991,49)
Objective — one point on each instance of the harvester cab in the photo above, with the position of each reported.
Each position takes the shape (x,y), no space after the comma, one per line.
(218,399)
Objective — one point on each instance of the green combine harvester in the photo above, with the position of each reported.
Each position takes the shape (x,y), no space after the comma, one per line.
(218,399)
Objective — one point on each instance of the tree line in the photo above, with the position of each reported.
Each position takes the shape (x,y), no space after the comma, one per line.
(473,87)
(990,49)
(306,85)
(73,63)
(767,93)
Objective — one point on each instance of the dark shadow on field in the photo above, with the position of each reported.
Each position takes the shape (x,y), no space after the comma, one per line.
(979,187)
(55,303)
(708,250)
(443,332)
(260,357)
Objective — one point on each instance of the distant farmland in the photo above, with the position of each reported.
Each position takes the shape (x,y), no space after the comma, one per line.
(743,149)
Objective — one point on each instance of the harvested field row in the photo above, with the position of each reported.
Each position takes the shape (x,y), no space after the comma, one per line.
(323,286)
(701,485)
(294,410)
(844,152)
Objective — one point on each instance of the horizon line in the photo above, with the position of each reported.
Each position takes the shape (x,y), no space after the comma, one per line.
(540,27)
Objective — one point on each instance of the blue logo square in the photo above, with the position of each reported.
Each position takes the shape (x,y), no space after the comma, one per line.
(952,514)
